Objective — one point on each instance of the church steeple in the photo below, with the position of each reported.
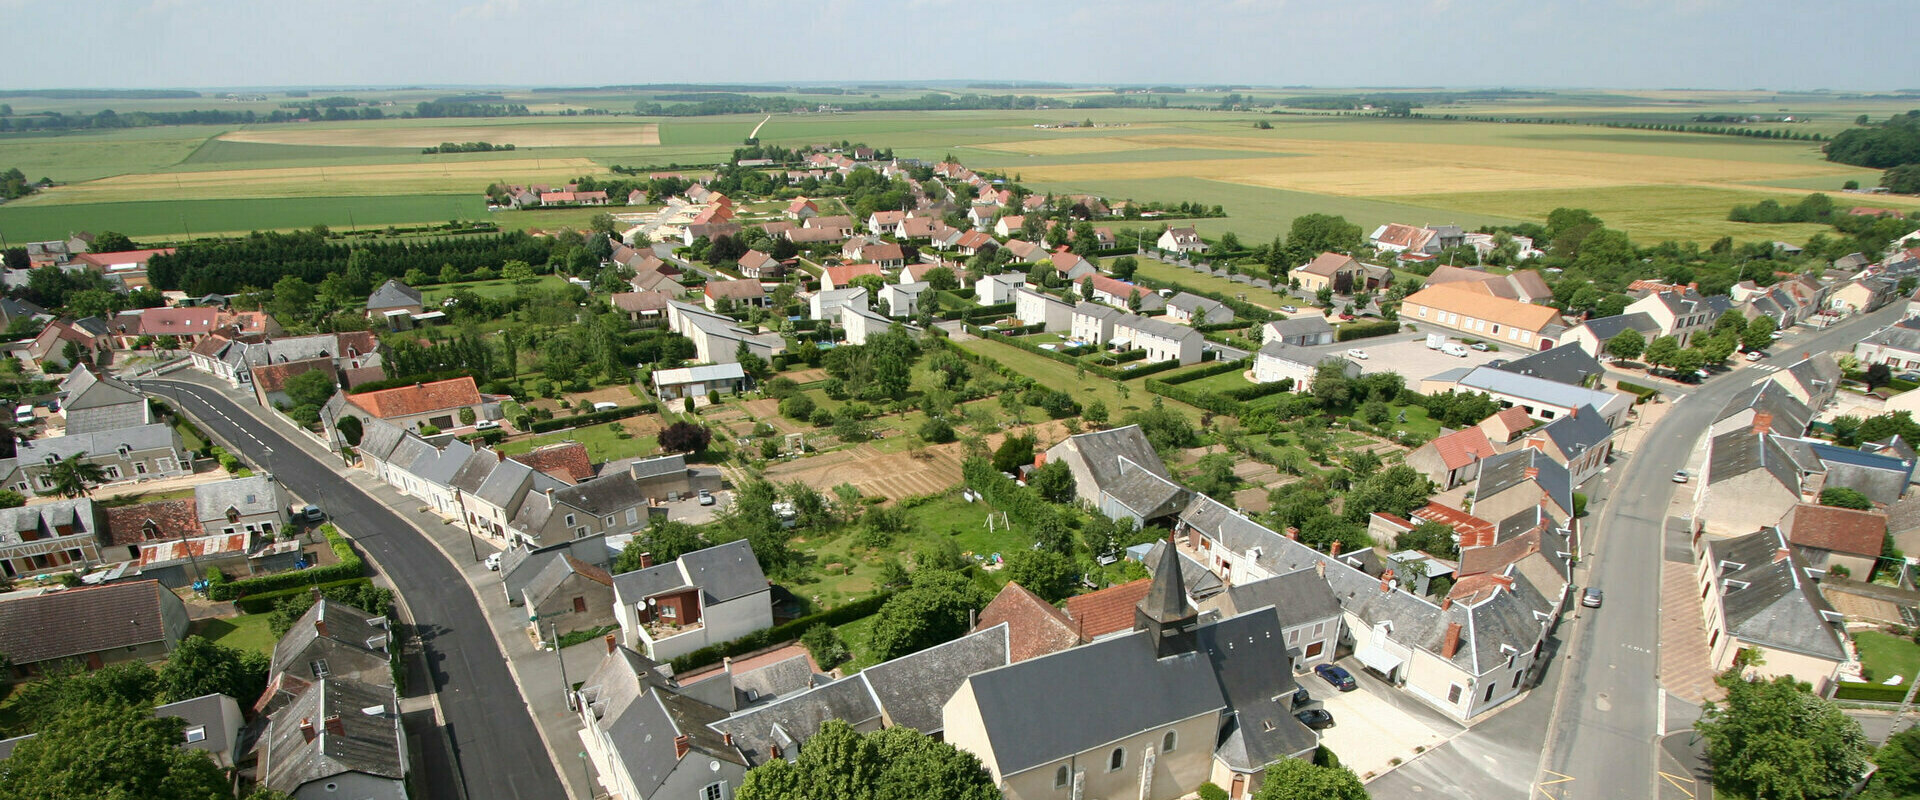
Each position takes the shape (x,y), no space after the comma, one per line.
(1164,613)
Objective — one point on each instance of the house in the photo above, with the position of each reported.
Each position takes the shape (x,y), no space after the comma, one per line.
(1093,323)
(974,243)
(878,254)
(1121,294)
(1163,341)
(140,453)
(1569,364)
(1452,459)
(437,404)
(63,344)
(665,478)
(717,338)
(1511,323)
(1397,238)
(704,597)
(826,303)
(1752,481)
(611,504)
(213,724)
(568,595)
(917,228)
(331,640)
(1581,441)
(339,738)
(1009,225)
(1863,295)
(903,299)
(674,384)
(993,290)
(1278,361)
(1521,480)
(646,740)
(394,296)
(1332,271)
(187,325)
(1784,413)
(1034,626)
(734,294)
(1524,285)
(51,536)
(1104,466)
(884,223)
(1813,380)
(1192,309)
(568,461)
(1181,240)
(760,266)
(1303,331)
(1506,425)
(1107,612)
(842,277)
(94,402)
(253,504)
(1542,399)
(860,323)
(1827,538)
(127,268)
(644,309)
(1756,594)
(1309,613)
(91,626)
(802,208)
(1025,252)
(1034,308)
(1682,314)
(1882,476)
(1897,346)
(1075,268)
(1197,710)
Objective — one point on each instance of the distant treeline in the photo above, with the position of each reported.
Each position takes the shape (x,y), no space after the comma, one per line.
(461,107)
(1881,146)
(261,259)
(101,94)
(712,104)
(109,119)
(666,87)
(1812,208)
(465,147)
(1721,130)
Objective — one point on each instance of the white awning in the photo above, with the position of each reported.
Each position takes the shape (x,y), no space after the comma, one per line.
(1378,659)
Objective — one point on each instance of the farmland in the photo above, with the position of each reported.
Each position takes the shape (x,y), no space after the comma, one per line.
(1653,184)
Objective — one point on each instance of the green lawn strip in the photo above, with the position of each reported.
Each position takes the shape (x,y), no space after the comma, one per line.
(494,288)
(244,632)
(29,222)
(1886,655)
(1054,374)
(601,443)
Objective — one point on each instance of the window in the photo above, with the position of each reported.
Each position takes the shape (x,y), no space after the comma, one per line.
(1490,688)
(139,467)
(668,612)
(609,521)
(714,791)
(319,667)
(579,605)
(113,472)
(1116,759)
(1319,629)
(569,520)
(1169,742)
(197,733)
(1453,693)
(633,516)
(1516,678)
(1315,649)
(1060,777)
(580,532)
(1293,637)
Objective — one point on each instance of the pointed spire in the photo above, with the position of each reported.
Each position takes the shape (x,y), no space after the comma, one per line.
(1166,599)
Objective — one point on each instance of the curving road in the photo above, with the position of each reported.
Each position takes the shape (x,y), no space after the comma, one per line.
(498,752)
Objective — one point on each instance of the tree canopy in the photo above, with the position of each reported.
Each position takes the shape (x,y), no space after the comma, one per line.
(892,764)
(1774,739)
(1293,779)
(931,611)
(113,750)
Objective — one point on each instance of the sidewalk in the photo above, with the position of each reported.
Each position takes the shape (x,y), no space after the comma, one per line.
(537,672)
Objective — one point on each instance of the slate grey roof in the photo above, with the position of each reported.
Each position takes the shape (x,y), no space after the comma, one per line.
(44,517)
(644,468)
(7,745)
(1147,494)
(1902,335)
(504,484)
(1044,709)
(438,465)
(1771,601)
(1533,388)
(912,689)
(1883,478)
(157,436)
(602,496)
(1298,597)
(87,387)
(1243,652)
(346,627)
(1819,374)
(75,622)
(378,438)
(520,565)
(632,587)
(1196,580)
(1790,416)
(790,721)
(1605,328)
(1102,451)
(1216,311)
(1305,325)
(1281,351)
(474,472)
(204,711)
(103,419)
(393,294)
(251,495)
(1737,453)
(725,571)
(1157,327)
(556,571)
(1576,433)
(1506,470)
(779,679)
(1568,363)
(370,743)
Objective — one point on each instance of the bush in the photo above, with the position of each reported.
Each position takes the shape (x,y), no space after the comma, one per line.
(349,566)
(1364,330)
(594,418)
(1642,393)
(797,407)
(1871,692)
(264,602)
(936,431)
(825,645)
(1216,368)
(1209,791)
(781,634)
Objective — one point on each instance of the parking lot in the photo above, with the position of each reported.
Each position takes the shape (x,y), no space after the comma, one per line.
(1376,727)
(1408,355)
(691,512)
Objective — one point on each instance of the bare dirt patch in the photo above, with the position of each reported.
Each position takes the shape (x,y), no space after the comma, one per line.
(398,134)
(890,475)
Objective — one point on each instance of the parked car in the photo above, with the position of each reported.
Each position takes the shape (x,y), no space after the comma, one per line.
(1680,476)
(493,562)
(1315,718)
(1336,676)
(1913,377)
(706,498)
(1454,350)
(310,513)
(486,425)
(1777,335)
(1345,317)
(1289,310)
(1357,353)
(1755,355)
(1590,599)
(1301,697)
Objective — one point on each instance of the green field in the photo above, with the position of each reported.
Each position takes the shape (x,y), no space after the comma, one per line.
(244,632)
(1886,655)
(495,288)
(26,222)
(1053,374)
(602,444)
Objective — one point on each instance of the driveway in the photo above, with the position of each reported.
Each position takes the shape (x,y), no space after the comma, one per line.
(1376,727)
(691,512)
(1408,355)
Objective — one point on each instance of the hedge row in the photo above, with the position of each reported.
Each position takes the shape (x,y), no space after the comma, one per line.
(989,313)
(1255,391)
(594,417)
(265,601)
(1641,393)
(782,633)
(1363,330)
(1872,692)
(349,566)
(1216,368)
(1210,401)
(1216,327)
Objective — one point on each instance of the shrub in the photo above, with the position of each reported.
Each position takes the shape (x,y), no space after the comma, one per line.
(265,602)
(825,645)
(1209,791)
(1364,330)
(1642,393)
(797,407)
(936,431)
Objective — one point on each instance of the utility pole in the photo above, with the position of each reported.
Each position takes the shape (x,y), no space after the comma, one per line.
(1906,705)
(566,686)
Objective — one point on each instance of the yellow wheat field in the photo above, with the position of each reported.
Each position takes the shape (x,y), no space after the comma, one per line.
(462,177)
(428,135)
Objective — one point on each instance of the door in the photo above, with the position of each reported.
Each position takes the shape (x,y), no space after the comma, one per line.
(579,605)
(1239,787)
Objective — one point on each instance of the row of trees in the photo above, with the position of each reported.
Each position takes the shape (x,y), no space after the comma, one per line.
(261,259)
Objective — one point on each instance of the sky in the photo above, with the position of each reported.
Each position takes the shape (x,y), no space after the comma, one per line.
(1630,44)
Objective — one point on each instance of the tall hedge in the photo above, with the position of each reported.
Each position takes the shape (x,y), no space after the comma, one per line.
(349,566)
(1364,330)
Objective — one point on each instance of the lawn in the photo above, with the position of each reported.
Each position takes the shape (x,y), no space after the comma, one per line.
(1084,388)
(494,288)
(1219,383)
(1886,655)
(601,443)
(843,568)
(1167,273)
(244,632)
(1416,420)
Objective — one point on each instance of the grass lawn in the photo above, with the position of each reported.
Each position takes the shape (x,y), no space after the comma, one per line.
(1417,421)
(1167,273)
(494,288)
(1219,383)
(244,632)
(1085,389)
(601,444)
(1887,655)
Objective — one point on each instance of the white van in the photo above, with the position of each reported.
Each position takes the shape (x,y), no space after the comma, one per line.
(1453,349)
(605,406)
(1436,341)
(22,415)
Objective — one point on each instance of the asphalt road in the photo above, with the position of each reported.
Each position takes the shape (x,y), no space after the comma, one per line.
(495,746)
(1601,738)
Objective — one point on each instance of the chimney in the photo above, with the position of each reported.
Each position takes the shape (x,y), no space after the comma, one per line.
(1762,422)
(728,738)
(498,456)
(646,559)
(334,726)
(1446,602)
(1320,568)
(1780,555)
(320,625)
(1452,643)
(1532,472)
(613,643)
(773,751)
(726,664)
(1039,459)
(681,744)
(306,728)
(1386,581)
(1293,533)
(1334,549)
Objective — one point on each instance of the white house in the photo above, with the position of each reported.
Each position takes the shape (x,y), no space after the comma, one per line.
(1181,240)
(1163,341)
(705,597)
(1034,308)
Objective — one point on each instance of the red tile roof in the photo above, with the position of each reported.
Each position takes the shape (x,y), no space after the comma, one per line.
(1474,531)
(843,276)
(567,461)
(274,377)
(104,260)
(1107,611)
(1463,447)
(1326,264)
(1841,530)
(1034,627)
(172,519)
(419,398)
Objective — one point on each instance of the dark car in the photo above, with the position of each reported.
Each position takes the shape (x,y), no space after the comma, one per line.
(1315,718)
(1301,697)
(1337,676)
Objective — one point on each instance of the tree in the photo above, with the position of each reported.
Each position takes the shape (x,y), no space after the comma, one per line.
(11,499)
(931,611)
(293,299)
(1046,573)
(199,667)
(1759,333)
(936,431)
(1432,538)
(72,477)
(1877,375)
(350,429)
(1627,344)
(896,763)
(1014,453)
(1294,779)
(1662,351)
(1215,477)
(111,242)
(825,645)
(111,749)
(1899,762)
(1773,739)
(685,437)
(1313,234)
(1054,481)
(1096,413)
(1124,267)
(603,223)
(310,388)
(517,271)
(663,541)
(1842,497)
(1396,490)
